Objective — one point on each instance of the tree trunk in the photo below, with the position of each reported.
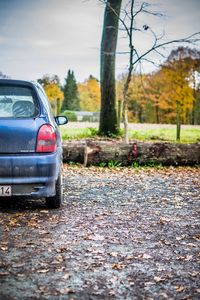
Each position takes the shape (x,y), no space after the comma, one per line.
(119,111)
(157,113)
(178,121)
(125,121)
(58,106)
(108,114)
(133,153)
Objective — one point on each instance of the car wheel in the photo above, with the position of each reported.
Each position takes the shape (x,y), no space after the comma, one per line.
(56,201)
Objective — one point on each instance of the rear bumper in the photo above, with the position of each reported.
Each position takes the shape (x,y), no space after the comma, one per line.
(30,175)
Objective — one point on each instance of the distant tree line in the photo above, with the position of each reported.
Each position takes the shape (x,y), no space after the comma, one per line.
(72,96)
(170,92)
(159,97)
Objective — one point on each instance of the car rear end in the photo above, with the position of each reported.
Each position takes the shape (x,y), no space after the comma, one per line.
(30,149)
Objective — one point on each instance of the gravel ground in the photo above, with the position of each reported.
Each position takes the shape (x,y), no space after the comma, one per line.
(121,234)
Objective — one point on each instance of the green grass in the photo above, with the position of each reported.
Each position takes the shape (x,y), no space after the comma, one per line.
(188,135)
(78,133)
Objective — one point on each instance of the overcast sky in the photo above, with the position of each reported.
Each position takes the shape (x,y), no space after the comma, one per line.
(40,37)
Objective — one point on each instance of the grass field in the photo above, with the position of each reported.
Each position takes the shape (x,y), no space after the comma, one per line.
(141,132)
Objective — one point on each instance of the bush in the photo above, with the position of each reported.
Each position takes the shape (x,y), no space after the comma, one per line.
(87,119)
(70,115)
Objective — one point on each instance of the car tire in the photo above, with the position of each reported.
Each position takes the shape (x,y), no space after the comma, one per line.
(56,201)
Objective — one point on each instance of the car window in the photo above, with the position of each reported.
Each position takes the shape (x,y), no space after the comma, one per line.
(17,102)
(44,99)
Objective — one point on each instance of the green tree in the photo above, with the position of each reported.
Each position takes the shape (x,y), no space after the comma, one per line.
(71,96)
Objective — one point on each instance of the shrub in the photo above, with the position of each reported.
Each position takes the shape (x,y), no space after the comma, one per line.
(70,115)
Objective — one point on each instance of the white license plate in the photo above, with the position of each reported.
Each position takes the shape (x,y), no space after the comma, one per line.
(5,190)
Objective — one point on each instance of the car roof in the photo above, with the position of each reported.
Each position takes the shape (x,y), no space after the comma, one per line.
(18,82)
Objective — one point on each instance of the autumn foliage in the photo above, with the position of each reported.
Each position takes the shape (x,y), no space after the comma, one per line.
(170,91)
(174,88)
(89,92)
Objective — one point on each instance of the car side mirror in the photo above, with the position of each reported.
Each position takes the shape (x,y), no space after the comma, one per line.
(61,120)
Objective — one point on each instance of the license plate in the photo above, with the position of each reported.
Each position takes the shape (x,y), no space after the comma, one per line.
(5,190)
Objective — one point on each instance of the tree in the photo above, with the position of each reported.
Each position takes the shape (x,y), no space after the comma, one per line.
(163,106)
(128,20)
(52,87)
(137,96)
(71,96)
(48,79)
(55,96)
(180,68)
(153,98)
(89,93)
(108,114)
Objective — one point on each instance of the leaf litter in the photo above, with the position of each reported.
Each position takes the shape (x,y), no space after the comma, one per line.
(121,234)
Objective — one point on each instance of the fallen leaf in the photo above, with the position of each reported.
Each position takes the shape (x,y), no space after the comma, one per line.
(20,275)
(113,254)
(4,248)
(98,237)
(197,237)
(66,276)
(191,245)
(194,274)
(188,257)
(118,266)
(4,273)
(158,279)
(66,291)
(162,221)
(179,288)
(18,265)
(129,257)
(146,256)
(43,271)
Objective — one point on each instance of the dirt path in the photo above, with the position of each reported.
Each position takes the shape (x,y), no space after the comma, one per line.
(121,234)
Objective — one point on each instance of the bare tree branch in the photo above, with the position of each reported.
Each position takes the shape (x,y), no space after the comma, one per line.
(190,39)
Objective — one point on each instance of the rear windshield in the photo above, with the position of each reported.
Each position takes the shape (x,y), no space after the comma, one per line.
(17,102)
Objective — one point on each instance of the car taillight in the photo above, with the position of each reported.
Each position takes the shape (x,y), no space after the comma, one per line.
(46,139)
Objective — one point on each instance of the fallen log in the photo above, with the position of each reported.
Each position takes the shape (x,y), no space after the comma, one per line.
(92,152)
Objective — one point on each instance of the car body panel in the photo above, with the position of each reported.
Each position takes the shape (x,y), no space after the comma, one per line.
(19,136)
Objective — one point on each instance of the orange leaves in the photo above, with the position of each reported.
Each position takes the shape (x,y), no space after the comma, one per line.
(153,97)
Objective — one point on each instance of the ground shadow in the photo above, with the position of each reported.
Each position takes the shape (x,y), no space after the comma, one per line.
(14,204)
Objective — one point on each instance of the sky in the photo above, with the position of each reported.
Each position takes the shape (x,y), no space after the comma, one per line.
(40,37)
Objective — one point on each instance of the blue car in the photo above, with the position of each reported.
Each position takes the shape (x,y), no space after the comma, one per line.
(30,143)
